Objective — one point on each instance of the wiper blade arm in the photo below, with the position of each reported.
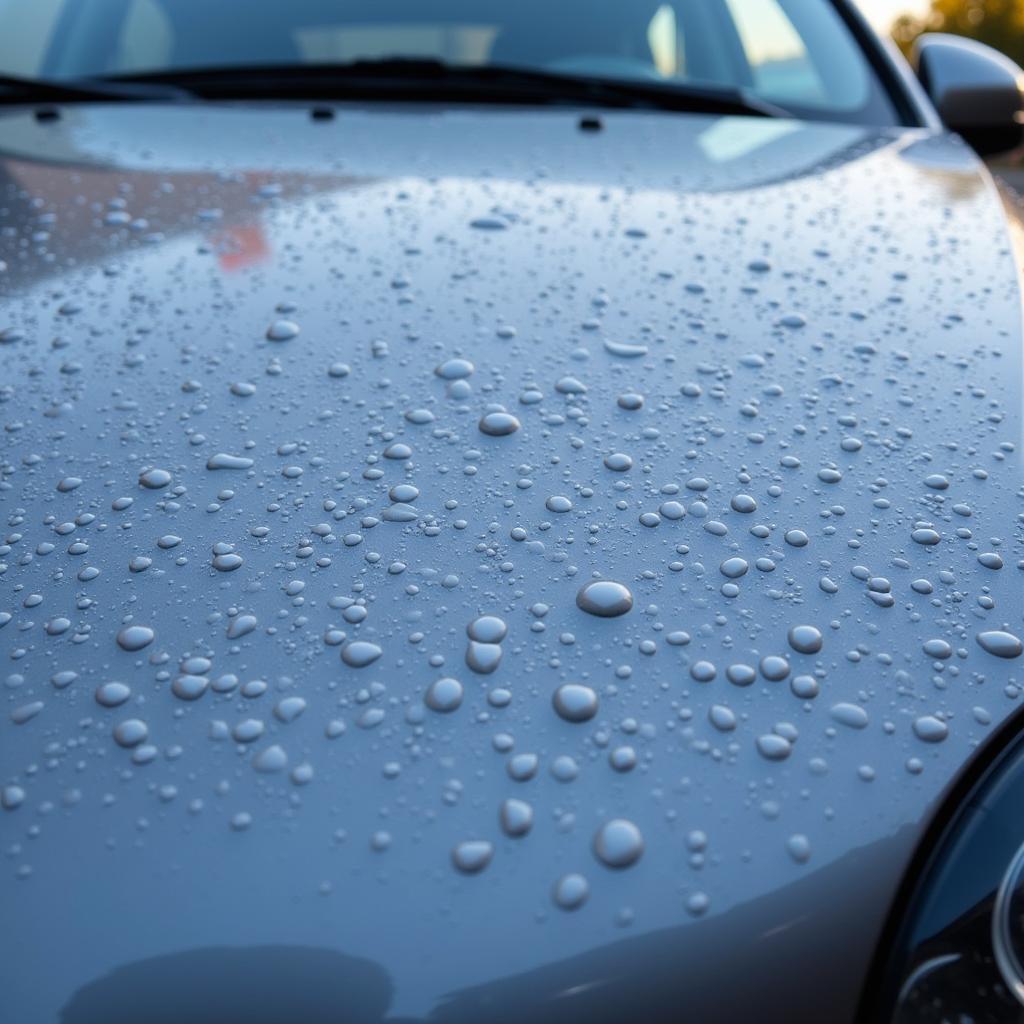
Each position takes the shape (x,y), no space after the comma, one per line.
(15,89)
(427,80)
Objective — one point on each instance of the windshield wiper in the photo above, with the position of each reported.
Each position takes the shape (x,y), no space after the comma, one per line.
(15,89)
(408,80)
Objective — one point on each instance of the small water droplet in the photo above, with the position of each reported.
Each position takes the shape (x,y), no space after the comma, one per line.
(472,856)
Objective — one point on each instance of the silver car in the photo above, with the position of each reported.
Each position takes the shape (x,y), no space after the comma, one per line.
(512,513)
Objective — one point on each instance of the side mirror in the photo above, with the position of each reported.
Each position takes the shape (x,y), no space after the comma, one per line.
(975,89)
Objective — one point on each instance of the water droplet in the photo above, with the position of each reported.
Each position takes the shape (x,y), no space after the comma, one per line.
(623,759)
(722,718)
(774,667)
(523,767)
(131,732)
(472,856)
(489,224)
(799,848)
(224,461)
(805,687)
(444,695)
(805,639)
(741,675)
(112,695)
(134,638)
(487,629)
(937,648)
(289,708)
(618,462)
(575,702)
(247,730)
(516,818)
(624,350)
(189,687)
(241,625)
(774,747)
(455,369)
(499,424)
(483,658)
(360,653)
(930,729)
(604,598)
(154,479)
(571,891)
(1000,643)
(11,797)
(703,671)
(851,715)
(734,567)
(271,759)
(282,330)
(618,843)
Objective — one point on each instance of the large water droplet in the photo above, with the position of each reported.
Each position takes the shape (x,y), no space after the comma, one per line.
(604,598)
(930,729)
(487,629)
(360,653)
(575,702)
(1000,643)
(134,638)
(499,424)
(618,843)
(444,695)
(282,330)
(805,639)
(516,818)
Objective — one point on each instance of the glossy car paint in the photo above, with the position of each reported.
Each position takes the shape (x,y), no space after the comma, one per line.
(824,318)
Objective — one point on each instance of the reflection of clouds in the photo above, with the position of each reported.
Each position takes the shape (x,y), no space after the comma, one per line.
(730,138)
(949,163)
(746,155)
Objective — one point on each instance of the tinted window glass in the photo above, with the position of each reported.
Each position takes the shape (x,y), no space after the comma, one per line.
(797,53)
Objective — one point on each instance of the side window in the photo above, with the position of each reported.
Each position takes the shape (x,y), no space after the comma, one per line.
(146,38)
(777,56)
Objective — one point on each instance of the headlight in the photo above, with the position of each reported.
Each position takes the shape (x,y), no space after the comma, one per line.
(955,949)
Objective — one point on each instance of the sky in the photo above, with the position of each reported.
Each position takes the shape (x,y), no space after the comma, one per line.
(882,12)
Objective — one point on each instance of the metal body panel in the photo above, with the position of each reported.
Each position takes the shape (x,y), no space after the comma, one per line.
(825,319)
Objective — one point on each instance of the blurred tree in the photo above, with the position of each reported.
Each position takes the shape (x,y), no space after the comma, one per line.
(998,23)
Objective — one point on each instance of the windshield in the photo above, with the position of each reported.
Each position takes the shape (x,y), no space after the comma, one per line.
(797,54)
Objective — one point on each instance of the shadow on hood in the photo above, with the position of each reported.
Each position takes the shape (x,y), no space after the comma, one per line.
(707,970)
(221,985)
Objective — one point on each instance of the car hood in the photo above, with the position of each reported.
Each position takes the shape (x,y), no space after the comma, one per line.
(290,404)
